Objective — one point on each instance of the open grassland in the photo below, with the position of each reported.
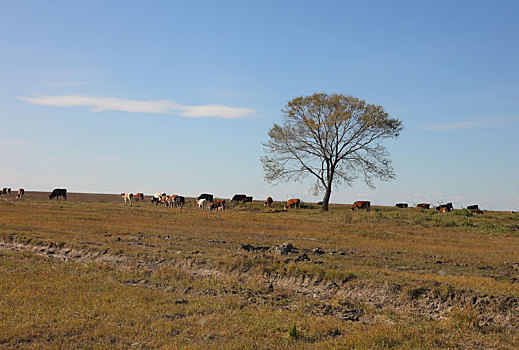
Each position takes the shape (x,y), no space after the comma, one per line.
(91,272)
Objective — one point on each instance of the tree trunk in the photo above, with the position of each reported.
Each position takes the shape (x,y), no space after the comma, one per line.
(326,198)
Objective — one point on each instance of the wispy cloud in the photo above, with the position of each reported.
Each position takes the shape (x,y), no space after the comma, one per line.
(17,141)
(100,104)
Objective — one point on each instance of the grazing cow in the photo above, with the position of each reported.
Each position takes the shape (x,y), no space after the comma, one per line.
(320,203)
(139,197)
(248,199)
(180,201)
(156,197)
(448,206)
(218,204)
(164,200)
(58,192)
(206,196)
(268,202)
(472,207)
(171,199)
(401,205)
(445,209)
(201,203)
(20,193)
(237,198)
(6,191)
(361,205)
(128,197)
(477,211)
(423,205)
(293,203)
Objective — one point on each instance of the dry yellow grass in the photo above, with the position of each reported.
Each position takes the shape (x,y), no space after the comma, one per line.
(73,272)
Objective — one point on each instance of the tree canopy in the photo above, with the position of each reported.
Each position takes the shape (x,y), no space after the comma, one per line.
(334,138)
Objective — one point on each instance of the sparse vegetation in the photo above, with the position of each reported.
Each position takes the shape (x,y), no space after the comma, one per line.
(72,273)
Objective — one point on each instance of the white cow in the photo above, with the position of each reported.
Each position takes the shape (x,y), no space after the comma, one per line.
(202,203)
(128,197)
(156,197)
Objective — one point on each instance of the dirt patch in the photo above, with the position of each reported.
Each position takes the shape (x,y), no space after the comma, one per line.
(250,248)
(347,314)
(282,249)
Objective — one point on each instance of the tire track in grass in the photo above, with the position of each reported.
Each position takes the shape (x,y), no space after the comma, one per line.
(490,310)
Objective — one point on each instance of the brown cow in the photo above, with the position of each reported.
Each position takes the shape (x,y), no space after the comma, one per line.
(139,197)
(361,205)
(268,202)
(445,209)
(477,211)
(20,193)
(164,200)
(293,203)
(423,205)
(216,205)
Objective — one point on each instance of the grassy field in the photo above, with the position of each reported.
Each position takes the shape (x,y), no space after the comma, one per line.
(93,273)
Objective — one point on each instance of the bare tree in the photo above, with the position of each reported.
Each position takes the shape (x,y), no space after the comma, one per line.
(335,138)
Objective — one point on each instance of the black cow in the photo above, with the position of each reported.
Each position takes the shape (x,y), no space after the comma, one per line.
(248,199)
(401,205)
(448,206)
(239,198)
(179,201)
(320,203)
(206,196)
(472,207)
(7,191)
(58,192)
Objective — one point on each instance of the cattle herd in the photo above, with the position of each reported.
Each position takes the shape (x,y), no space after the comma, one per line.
(5,193)
(207,201)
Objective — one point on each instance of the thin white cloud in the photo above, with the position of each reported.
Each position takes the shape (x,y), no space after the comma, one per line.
(100,104)
(18,141)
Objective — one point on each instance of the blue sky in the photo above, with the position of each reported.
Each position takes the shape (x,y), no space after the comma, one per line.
(113,96)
